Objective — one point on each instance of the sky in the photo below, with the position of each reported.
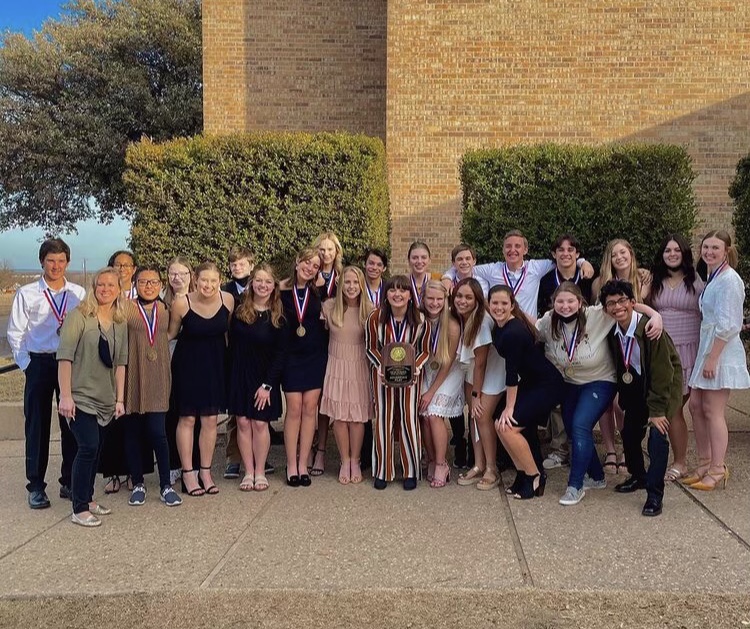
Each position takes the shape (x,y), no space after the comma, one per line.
(94,242)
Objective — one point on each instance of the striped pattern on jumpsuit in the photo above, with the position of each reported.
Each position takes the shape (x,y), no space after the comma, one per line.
(395,404)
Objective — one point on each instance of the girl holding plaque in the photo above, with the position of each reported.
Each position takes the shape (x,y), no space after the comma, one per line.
(346,397)
(396,323)
(147,386)
(305,367)
(618,262)
(202,320)
(484,374)
(575,341)
(442,384)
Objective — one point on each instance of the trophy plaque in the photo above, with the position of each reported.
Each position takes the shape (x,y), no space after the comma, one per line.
(398,364)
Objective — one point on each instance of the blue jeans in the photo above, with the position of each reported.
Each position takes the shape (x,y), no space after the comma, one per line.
(582,406)
(138,428)
(87,432)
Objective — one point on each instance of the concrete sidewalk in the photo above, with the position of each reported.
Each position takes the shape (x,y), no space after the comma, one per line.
(331,555)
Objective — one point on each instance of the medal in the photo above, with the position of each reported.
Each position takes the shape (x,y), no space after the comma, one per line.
(417,293)
(152,325)
(434,365)
(374,295)
(59,327)
(398,330)
(300,306)
(559,280)
(59,311)
(570,348)
(627,352)
(509,282)
(568,371)
(627,377)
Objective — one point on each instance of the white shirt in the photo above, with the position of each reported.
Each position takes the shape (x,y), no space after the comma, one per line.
(635,357)
(32,325)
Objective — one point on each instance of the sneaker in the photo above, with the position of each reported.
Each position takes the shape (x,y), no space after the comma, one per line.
(66,493)
(590,483)
(552,461)
(232,470)
(572,496)
(174,476)
(138,495)
(170,497)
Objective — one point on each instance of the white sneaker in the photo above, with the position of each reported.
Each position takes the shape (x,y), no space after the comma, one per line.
(572,496)
(174,476)
(552,461)
(590,483)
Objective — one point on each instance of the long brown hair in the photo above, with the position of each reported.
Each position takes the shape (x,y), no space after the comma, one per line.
(169,295)
(607,272)
(515,308)
(413,316)
(732,255)
(573,289)
(474,321)
(246,311)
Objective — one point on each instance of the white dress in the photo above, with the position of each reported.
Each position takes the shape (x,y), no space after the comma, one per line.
(721,308)
(448,400)
(494,375)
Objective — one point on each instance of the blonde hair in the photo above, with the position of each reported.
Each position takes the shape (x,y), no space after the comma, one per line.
(338,259)
(606,272)
(443,353)
(339,305)
(246,311)
(733,257)
(89,307)
(169,295)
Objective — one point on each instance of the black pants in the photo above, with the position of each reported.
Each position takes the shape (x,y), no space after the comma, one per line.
(149,430)
(88,435)
(41,386)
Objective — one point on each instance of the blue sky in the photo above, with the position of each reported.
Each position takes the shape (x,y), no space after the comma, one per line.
(93,242)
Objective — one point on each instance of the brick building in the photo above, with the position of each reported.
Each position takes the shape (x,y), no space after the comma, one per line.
(433,78)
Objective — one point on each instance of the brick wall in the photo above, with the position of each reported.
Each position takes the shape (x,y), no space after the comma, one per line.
(301,65)
(468,73)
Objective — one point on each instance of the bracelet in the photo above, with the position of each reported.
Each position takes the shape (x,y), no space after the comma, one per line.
(119,401)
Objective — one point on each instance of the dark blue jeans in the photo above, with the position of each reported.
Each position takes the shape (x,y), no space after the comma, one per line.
(87,432)
(40,388)
(633,431)
(147,426)
(582,406)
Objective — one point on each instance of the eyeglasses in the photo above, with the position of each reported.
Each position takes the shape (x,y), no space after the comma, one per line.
(618,302)
(179,274)
(148,282)
(124,266)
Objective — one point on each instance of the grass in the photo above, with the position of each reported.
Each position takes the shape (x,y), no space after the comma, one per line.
(6,299)
(11,384)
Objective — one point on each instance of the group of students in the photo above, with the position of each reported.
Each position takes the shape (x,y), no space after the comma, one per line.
(521,344)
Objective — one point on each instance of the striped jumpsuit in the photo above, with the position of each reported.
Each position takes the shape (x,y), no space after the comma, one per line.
(395,404)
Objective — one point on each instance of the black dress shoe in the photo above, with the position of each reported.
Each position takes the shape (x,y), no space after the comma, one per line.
(38,499)
(379,483)
(304,480)
(630,485)
(652,508)
(66,493)
(292,481)
(410,483)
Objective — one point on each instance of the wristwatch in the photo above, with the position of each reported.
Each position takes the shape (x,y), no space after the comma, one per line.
(474,394)
(266,387)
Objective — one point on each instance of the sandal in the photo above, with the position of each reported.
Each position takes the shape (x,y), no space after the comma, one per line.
(113,485)
(486,483)
(315,470)
(622,467)
(431,471)
(212,489)
(470,477)
(195,492)
(610,467)
(345,473)
(442,476)
(674,474)
(248,483)
(261,483)
(356,471)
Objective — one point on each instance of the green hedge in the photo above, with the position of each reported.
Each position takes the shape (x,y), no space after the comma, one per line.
(634,191)
(271,192)
(739,190)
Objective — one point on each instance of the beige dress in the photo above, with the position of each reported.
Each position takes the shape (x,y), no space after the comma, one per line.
(346,389)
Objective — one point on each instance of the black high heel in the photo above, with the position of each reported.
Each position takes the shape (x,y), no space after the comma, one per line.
(198,491)
(292,481)
(531,486)
(515,485)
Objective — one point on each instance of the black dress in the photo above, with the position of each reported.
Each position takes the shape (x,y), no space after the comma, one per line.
(199,364)
(306,356)
(256,357)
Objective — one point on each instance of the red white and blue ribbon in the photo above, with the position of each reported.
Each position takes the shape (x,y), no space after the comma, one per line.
(417,293)
(152,325)
(330,283)
(434,337)
(58,310)
(559,280)
(716,271)
(374,295)
(627,350)
(301,305)
(570,345)
(398,330)
(508,282)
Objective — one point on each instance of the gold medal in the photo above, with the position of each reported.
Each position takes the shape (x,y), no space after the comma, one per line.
(627,377)
(151,354)
(301,331)
(568,371)
(434,365)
